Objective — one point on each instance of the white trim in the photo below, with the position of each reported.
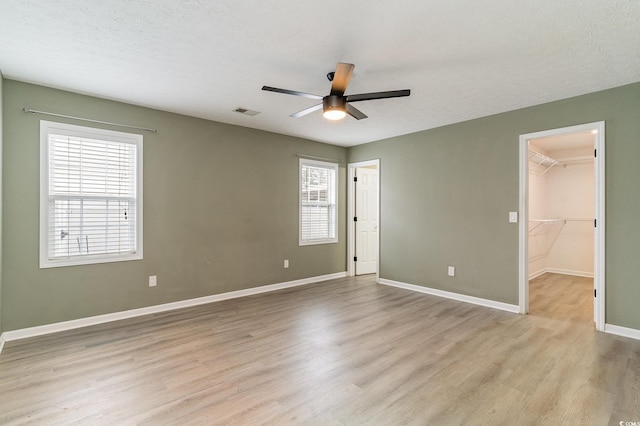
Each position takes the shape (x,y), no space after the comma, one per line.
(561,272)
(523,228)
(40,330)
(570,272)
(599,240)
(1,342)
(537,273)
(454,296)
(351,244)
(632,333)
(599,237)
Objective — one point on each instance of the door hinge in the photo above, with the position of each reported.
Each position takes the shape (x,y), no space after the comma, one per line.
(355,258)
(595,223)
(595,153)
(594,293)
(355,218)
(355,179)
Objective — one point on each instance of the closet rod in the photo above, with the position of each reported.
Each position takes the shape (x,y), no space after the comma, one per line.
(562,219)
(312,157)
(540,222)
(35,111)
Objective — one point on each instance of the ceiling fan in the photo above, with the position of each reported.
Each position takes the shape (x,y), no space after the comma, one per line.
(336,105)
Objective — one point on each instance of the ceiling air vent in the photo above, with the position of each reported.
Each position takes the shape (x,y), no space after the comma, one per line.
(246,111)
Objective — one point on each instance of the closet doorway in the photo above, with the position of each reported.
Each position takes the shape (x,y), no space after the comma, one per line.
(562,218)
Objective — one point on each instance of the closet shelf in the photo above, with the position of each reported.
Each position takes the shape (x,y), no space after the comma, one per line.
(572,160)
(562,221)
(541,222)
(542,162)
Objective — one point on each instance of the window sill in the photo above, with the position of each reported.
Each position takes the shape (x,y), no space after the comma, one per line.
(318,242)
(46,263)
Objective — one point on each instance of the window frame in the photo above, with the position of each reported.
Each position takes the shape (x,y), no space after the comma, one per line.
(327,165)
(47,127)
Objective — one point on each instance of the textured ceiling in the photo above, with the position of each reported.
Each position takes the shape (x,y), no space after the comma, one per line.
(461,59)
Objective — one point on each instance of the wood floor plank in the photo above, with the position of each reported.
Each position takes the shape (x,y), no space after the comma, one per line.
(346,351)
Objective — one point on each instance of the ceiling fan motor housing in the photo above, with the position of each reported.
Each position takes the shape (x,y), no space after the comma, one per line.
(334,102)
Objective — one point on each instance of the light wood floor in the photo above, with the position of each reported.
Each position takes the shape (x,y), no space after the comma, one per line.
(346,351)
(562,297)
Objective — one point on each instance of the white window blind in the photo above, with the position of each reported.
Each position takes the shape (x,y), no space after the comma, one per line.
(318,193)
(91,204)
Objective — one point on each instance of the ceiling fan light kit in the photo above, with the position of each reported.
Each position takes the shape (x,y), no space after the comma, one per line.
(336,105)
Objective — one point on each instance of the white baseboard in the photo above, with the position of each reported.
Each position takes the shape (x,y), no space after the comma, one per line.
(455,296)
(538,273)
(622,331)
(570,272)
(40,330)
(562,272)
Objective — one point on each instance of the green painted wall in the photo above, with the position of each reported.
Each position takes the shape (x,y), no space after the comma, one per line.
(1,149)
(221,207)
(220,213)
(446,194)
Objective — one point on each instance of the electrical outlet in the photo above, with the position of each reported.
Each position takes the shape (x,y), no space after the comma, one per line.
(451,271)
(286,263)
(513,217)
(153,280)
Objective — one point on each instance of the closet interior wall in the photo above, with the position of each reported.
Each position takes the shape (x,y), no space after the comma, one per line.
(561,211)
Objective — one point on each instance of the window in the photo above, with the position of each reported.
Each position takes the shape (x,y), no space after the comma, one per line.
(318,192)
(90,195)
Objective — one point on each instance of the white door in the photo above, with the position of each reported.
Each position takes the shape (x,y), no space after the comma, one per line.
(366,225)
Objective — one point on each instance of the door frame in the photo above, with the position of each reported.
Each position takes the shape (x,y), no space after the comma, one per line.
(599,235)
(351,207)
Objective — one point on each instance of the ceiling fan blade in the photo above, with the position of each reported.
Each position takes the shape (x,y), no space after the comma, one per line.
(355,112)
(291,92)
(378,95)
(341,78)
(306,111)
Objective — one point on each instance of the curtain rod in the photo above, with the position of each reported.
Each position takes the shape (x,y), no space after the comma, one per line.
(312,157)
(35,111)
